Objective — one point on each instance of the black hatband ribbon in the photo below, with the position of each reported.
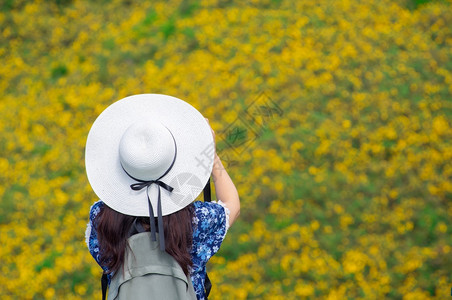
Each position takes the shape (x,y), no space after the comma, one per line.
(146,184)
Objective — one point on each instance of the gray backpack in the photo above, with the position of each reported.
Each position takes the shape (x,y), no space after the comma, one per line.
(149,273)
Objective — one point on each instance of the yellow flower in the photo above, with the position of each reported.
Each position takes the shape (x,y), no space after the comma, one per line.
(354,261)
(440,125)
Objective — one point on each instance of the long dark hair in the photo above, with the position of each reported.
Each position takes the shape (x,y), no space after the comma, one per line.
(113,231)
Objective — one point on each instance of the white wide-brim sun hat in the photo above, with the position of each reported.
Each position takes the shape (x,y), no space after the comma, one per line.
(149,137)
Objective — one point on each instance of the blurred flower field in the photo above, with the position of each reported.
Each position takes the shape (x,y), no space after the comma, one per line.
(332,117)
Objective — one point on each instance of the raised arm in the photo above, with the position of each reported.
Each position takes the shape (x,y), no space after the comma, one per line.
(225,188)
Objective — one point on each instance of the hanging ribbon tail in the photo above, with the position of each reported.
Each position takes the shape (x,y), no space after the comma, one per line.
(138,186)
(160,222)
(152,220)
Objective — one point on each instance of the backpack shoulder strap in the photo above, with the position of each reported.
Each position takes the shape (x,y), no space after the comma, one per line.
(207,198)
(104,283)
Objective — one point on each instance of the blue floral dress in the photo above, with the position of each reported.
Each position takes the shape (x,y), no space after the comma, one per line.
(211,222)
